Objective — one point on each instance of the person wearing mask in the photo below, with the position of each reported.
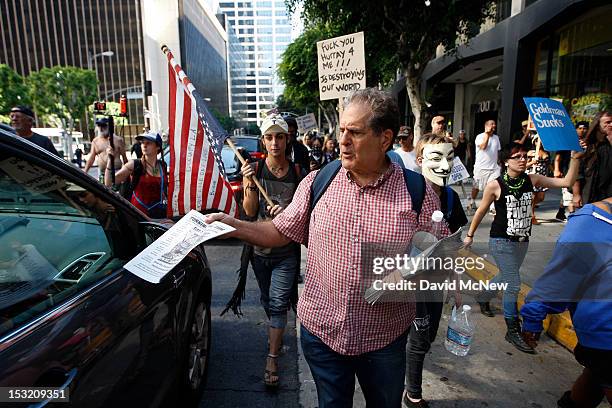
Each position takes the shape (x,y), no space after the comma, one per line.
(512,194)
(406,150)
(435,155)
(22,119)
(578,278)
(275,267)
(296,151)
(371,344)
(316,153)
(148,177)
(100,148)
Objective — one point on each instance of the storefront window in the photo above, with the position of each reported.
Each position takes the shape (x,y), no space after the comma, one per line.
(575,64)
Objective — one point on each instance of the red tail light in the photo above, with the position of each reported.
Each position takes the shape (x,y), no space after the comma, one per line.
(236,185)
(258,155)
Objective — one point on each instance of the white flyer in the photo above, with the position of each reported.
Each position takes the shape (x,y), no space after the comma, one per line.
(458,172)
(156,260)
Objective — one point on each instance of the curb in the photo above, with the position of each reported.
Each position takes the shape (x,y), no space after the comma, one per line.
(558,326)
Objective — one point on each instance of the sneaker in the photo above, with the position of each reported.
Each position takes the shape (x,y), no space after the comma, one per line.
(409,404)
(561,215)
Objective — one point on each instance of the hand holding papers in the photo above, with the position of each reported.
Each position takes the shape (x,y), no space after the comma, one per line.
(155,261)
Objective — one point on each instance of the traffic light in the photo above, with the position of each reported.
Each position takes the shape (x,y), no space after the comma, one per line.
(99,107)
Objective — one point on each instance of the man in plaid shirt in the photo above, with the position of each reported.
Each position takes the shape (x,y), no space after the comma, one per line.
(367,202)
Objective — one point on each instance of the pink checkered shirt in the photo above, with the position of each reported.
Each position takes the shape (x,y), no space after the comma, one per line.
(332,305)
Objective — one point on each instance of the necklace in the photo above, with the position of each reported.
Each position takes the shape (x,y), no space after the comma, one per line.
(518,183)
(277,170)
(154,169)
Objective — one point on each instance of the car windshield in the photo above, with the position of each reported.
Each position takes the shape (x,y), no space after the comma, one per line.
(230,161)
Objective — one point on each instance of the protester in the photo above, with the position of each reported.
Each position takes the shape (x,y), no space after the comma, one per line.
(561,164)
(316,153)
(275,267)
(22,119)
(524,137)
(578,278)
(598,163)
(329,150)
(99,148)
(148,177)
(438,125)
(512,194)
(406,150)
(296,151)
(307,141)
(461,148)
(355,209)
(539,163)
(486,168)
(78,156)
(435,155)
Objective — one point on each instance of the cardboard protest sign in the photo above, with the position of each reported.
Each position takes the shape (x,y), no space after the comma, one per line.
(341,63)
(553,124)
(306,122)
(458,172)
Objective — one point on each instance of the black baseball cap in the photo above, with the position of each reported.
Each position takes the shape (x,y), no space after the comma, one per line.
(102,121)
(26,110)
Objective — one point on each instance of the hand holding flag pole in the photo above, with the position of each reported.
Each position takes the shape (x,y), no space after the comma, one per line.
(257,183)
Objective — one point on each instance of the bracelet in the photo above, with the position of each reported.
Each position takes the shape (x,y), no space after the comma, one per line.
(252,188)
(469,236)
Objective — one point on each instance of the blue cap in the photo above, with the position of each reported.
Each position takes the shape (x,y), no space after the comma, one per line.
(103,121)
(151,137)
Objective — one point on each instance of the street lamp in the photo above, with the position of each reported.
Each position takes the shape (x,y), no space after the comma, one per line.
(90,57)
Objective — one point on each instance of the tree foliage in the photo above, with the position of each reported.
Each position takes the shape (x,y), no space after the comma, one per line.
(399,33)
(62,92)
(13,90)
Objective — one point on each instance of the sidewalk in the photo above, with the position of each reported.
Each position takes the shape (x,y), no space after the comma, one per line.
(494,373)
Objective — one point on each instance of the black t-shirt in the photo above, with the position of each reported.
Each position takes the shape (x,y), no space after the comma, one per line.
(461,150)
(566,156)
(513,210)
(43,142)
(457,218)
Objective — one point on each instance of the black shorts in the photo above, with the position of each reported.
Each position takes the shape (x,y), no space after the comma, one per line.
(598,361)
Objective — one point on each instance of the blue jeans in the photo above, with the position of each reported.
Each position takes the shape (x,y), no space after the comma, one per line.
(275,277)
(380,373)
(509,257)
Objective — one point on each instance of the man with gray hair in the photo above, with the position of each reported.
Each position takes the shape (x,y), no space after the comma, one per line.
(22,119)
(366,201)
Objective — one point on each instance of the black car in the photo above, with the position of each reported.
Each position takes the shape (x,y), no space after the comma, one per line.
(70,315)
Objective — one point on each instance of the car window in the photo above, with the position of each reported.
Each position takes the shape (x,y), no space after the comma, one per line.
(230,161)
(250,144)
(56,237)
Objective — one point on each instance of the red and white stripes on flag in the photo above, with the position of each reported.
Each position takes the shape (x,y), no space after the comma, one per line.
(196,174)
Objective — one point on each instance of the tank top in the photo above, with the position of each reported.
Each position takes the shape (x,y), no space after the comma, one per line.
(149,193)
(513,210)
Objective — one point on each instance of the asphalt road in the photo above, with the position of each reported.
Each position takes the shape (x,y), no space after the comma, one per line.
(239,345)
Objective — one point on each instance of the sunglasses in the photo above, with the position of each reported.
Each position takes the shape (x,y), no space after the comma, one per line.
(519,157)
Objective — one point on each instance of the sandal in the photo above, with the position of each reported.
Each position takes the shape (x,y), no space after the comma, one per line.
(269,375)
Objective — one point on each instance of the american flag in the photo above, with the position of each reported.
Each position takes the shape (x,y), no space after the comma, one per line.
(197,178)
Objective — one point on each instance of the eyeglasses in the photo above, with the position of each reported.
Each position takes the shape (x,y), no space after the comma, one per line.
(519,157)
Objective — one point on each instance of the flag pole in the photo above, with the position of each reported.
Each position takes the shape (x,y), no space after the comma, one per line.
(257,183)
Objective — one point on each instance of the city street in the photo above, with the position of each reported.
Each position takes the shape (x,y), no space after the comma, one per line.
(493,374)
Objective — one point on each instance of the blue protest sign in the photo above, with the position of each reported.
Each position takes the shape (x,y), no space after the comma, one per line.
(554,125)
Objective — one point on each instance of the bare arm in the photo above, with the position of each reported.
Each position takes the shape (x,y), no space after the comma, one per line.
(92,157)
(261,233)
(485,142)
(551,182)
(250,202)
(122,175)
(557,171)
(122,151)
(491,193)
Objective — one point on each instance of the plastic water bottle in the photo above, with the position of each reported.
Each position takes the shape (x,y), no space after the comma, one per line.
(460,331)
(437,218)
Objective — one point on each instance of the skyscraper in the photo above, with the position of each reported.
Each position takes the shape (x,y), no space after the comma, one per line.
(263,30)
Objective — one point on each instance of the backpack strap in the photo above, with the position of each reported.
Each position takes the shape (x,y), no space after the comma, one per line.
(450,202)
(415,183)
(321,181)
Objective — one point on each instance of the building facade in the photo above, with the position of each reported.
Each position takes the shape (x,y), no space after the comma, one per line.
(551,48)
(262,30)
